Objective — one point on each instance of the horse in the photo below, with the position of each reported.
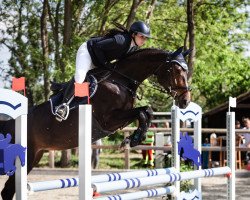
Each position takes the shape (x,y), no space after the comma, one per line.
(112,106)
(187,151)
(9,153)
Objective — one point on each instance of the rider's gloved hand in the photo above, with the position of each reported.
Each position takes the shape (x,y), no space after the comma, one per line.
(109,65)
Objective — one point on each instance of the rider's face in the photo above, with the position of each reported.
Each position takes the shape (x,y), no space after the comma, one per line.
(140,39)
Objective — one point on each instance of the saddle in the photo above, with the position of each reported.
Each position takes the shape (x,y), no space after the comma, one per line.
(58,93)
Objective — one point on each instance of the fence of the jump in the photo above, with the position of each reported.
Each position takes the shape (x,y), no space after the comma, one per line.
(110,177)
(86,189)
(15,105)
(117,184)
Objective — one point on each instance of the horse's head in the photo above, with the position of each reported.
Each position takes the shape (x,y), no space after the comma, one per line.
(172,75)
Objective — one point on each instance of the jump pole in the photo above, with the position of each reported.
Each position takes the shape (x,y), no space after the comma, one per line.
(85,138)
(15,105)
(72,182)
(141,194)
(161,179)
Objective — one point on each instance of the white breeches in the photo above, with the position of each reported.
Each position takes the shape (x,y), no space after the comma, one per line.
(83,63)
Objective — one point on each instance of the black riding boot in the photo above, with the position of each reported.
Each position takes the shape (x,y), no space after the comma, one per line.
(62,111)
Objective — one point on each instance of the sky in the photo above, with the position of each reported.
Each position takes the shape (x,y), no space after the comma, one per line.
(4,56)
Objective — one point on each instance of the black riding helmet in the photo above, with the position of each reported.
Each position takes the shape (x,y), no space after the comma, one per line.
(140,27)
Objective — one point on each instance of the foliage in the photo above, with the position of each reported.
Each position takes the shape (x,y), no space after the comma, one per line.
(221,34)
(221,70)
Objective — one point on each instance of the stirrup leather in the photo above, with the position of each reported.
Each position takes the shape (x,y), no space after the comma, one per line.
(62,111)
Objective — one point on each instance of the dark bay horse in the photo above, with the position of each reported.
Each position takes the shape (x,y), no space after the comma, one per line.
(113,106)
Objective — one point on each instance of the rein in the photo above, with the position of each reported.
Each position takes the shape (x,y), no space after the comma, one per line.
(155,86)
(170,89)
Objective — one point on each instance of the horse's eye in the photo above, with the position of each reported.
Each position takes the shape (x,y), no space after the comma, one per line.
(179,68)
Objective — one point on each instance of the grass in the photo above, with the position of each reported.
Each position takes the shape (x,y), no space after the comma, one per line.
(108,160)
(116,160)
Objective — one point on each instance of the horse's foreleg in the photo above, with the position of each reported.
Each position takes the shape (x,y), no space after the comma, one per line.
(9,189)
(139,135)
(143,115)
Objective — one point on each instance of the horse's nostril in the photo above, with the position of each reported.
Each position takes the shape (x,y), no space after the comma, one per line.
(184,103)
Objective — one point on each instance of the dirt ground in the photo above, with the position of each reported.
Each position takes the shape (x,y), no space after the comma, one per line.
(213,188)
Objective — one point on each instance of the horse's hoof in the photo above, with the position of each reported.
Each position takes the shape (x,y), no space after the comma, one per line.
(124,143)
(134,143)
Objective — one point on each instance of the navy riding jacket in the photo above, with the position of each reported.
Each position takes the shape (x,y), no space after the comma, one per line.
(105,49)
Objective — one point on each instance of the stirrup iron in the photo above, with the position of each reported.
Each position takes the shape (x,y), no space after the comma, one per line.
(65,107)
(62,112)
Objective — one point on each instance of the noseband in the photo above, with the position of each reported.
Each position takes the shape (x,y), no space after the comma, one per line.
(173,90)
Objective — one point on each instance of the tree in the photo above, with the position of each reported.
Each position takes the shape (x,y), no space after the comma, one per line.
(220,50)
(215,30)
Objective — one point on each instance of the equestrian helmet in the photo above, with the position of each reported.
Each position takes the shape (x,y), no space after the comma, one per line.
(141,28)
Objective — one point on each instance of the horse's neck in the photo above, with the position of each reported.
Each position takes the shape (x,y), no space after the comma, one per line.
(142,65)
(36,111)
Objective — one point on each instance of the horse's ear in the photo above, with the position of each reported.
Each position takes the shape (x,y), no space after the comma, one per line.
(177,52)
(187,52)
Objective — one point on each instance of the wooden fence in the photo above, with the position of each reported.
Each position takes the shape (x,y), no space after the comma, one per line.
(128,130)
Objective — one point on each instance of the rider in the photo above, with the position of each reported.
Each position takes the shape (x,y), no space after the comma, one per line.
(103,52)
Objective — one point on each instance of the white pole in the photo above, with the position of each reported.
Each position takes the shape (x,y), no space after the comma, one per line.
(161,179)
(21,172)
(175,139)
(141,194)
(133,174)
(231,154)
(197,146)
(72,182)
(85,138)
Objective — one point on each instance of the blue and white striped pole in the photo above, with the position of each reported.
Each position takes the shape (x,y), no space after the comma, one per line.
(161,179)
(72,182)
(54,184)
(141,194)
(133,174)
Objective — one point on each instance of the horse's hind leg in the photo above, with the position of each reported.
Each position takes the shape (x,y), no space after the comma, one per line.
(37,157)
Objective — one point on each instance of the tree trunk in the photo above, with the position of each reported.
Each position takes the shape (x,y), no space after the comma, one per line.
(108,5)
(191,35)
(150,10)
(67,32)
(131,16)
(54,21)
(45,47)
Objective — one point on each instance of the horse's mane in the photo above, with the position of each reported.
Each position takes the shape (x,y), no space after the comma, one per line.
(143,52)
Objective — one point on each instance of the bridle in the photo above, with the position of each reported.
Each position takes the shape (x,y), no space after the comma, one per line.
(173,90)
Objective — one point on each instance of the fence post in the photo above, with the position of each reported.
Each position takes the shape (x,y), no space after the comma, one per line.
(159,156)
(127,151)
(231,154)
(175,139)
(85,140)
(8,99)
(21,172)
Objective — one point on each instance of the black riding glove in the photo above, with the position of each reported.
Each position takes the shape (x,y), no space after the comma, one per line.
(109,65)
